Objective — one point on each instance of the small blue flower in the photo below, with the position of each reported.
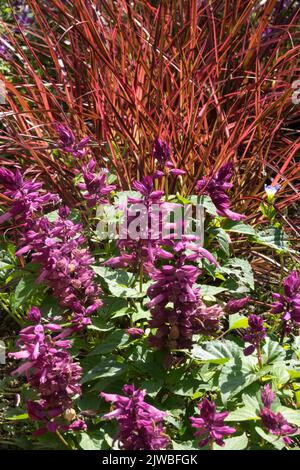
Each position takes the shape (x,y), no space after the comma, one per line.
(271,190)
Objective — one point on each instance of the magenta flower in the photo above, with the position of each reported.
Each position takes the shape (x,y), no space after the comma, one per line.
(95,188)
(50,371)
(143,248)
(68,142)
(27,197)
(267,396)
(161,151)
(289,303)
(210,424)
(216,186)
(275,423)
(65,265)
(207,320)
(140,424)
(255,334)
(135,332)
(235,305)
(176,310)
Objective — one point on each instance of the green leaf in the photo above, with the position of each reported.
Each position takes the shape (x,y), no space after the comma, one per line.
(238,227)
(274,238)
(240,272)
(114,340)
(205,356)
(234,443)
(237,321)
(15,414)
(91,442)
(292,416)
(25,289)
(107,367)
(206,202)
(187,445)
(100,324)
(223,239)
(273,352)
(245,413)
(206,290)
(274,440)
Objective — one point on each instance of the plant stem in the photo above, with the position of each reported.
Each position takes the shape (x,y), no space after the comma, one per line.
(62,439)
(259,357)
(141,276)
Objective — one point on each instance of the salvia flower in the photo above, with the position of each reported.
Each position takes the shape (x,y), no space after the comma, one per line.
(207,320)
(96,190)
(216,186)
(210,424)
(275,423)
(27,197)
(288,304)
(267,396)
(235,305)
(255,334)
(135,332)
(176,310)
(65,265)
(140,424)
(69,143)
(139,248)
(51,373)
(161,151)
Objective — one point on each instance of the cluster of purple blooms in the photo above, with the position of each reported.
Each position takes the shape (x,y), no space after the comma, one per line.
(255,334)
(95,188)
(162,155)
(26,197)
(216,186)
(210,424)
(275,423)
(176,310)
(65,265)
(146,247)
(140,424)
(288,304)
(51,373)
(69,142)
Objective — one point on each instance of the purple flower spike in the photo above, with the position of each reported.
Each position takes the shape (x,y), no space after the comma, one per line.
(210,425)
(235,305)
(50,371)
(27,197)
(161,151)
(216,186)
(96,190)
(140,424)
(277,425)
(255,334)
(267,396)
(68,141)
(289,303)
